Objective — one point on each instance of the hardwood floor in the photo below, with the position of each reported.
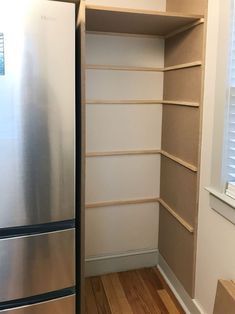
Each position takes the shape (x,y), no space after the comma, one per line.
(132,292)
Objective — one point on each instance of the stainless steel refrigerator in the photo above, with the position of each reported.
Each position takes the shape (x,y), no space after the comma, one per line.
(37,157)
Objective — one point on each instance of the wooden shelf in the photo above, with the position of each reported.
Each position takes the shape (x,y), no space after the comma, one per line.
(141,102)
(122,202)
(122,68)
(123,102)
(110,67)
(142,152)
(176,216)
(180,103)
(124,153)
(123,20)
(142,201)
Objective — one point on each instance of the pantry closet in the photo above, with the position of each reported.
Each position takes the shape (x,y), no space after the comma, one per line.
(142,76)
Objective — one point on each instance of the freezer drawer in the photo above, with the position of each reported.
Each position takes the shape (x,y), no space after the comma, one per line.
(59,306)
(36,264)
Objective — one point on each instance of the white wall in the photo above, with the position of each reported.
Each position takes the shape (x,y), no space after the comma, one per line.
(216,236)
(115,230)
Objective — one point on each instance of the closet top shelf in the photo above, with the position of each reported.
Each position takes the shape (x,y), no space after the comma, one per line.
(130,21)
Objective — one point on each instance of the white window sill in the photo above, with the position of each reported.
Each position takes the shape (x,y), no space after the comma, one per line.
(222,204)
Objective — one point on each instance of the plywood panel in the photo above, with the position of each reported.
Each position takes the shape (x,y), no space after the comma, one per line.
(225,297)
(180,132)
(115,128)
(122,178)
(132,21)
(186,6)
(116,229)
(176,245)
(145,52)
(114,85)
(185,47)
(179,189)
(184,84)
(137,4)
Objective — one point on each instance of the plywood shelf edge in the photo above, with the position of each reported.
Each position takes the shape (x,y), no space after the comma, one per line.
(180,103)
(123,102)
(140,102)
(176,216)
(123,153)
(180,161)
(122,202)
(142,69)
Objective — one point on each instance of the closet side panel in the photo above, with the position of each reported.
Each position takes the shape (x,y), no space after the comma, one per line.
(187,6)
(185,47)
(183,85)
(179,189)
(180,136)
(176,246)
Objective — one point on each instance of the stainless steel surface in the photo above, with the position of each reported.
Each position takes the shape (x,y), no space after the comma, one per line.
(59,306)
(36,264)
(37,112)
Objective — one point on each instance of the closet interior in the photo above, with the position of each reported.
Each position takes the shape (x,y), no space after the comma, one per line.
(142,89)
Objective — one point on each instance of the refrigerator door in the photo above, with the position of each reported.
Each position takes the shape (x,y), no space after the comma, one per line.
(36,264)
(37,112)
(58,306)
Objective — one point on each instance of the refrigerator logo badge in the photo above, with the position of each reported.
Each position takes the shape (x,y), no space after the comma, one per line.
(47,18)
(2,57)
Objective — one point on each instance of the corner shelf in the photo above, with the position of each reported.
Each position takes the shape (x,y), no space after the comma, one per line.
(123,20)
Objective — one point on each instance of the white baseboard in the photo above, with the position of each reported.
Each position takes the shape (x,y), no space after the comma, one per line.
(100,265)
(188,304)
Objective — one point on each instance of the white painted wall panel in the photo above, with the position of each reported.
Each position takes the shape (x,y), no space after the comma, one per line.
(130,51)
(159,5)
(113,230)
(120,229)
(122,177)
(116,85)
(132,127)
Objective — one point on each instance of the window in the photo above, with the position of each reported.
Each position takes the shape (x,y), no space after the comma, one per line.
(2,61)
(220,95)
(229,157)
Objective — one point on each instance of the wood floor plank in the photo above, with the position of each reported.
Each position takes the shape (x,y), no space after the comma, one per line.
(100,296)
(140,300)
(172,309)
(154,300)
(125,306)
(111,295)
(153,284)
(167,288)
(90,302)
(141,291)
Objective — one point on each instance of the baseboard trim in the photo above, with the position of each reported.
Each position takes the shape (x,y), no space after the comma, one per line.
(188,304)
(100,265)
(106,264)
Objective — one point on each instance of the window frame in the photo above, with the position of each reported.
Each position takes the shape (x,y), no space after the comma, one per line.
(219,201)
